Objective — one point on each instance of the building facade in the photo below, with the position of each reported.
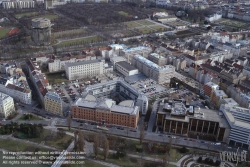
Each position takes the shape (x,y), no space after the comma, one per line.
(180,118)
(238,119)
(84,69)
(6,105)
(106,111)
(129,53)
(161,74)
(53,103)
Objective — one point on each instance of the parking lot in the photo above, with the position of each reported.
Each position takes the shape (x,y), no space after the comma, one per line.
(150,88)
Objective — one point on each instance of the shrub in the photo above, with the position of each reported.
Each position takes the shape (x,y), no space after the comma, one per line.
(138,148)
(184,150)
(199,160)
(217,163)
(134,160)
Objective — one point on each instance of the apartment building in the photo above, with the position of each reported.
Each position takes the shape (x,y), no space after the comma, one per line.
(129,53)
(208,88)
(179,118)
(125,68)
(53,103)
(59,64)
(217,97)
(18,4)
(6,105)
(16,85)
(238,119)
(161,74)
(106,111)
(230,101)
(118,89)
(38,79)
(157,59)
(84,69)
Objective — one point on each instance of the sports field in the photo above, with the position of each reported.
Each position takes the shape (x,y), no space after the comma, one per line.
(80,41)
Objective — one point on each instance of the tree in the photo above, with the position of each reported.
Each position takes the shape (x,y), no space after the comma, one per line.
(96,145)
(69,121)
(80,141)
(105,148)
(165,160)
(141,132)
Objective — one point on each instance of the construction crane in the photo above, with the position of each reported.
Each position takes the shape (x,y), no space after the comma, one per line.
(195,64)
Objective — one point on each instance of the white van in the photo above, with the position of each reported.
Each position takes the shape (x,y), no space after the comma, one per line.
(217,144)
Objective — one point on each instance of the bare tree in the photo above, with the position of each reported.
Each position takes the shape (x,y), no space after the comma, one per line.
(69,121)
(141,132)
(105,148)
(96,145)
(165,160)
(80,141)
(75,138)
(170,144)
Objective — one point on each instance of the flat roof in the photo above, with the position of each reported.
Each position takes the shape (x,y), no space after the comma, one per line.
(126,65)
(107,104)
(230,101)
(134,78)
(82,62)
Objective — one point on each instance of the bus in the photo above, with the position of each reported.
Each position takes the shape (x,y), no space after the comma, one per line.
(102,128)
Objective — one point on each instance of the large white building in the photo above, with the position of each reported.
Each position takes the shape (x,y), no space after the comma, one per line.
(6,105)
(161,74)
(59,64)
(239,121)
(84,69)
(118,89)
(214,17)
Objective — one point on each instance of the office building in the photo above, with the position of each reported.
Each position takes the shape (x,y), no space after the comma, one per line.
(125,68)
(53,103)
(120,90)
(239,121)
(106,111)
(6,105)
(178,117)
(84,69)
(161,74)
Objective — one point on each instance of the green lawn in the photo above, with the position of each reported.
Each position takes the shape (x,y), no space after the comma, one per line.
(158,28)
(13,145)
(145,22)
(56,78)
(70,32)
(48,16)
(28,14)
(123,13)
(132,24)
(22,118)
(80,41)
(145,30)
(3,32)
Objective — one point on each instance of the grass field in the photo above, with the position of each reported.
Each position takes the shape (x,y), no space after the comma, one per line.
(145,22)
(70,32)
(48,16)
(184,32)
(31,119)
(56,78)
(3,32)
(123,13)
(29,14)
(232,23)
(145,30)
(132,24)
(158,28)
(80,41)
(14,145)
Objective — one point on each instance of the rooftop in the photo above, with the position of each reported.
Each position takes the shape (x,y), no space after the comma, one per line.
(82,63)
(139,48)
(220,93)
(3,96)
(107,104)
(126,65)
(54,96)
(152,64)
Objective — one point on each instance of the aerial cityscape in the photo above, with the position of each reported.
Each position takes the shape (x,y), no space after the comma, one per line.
(120,83)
